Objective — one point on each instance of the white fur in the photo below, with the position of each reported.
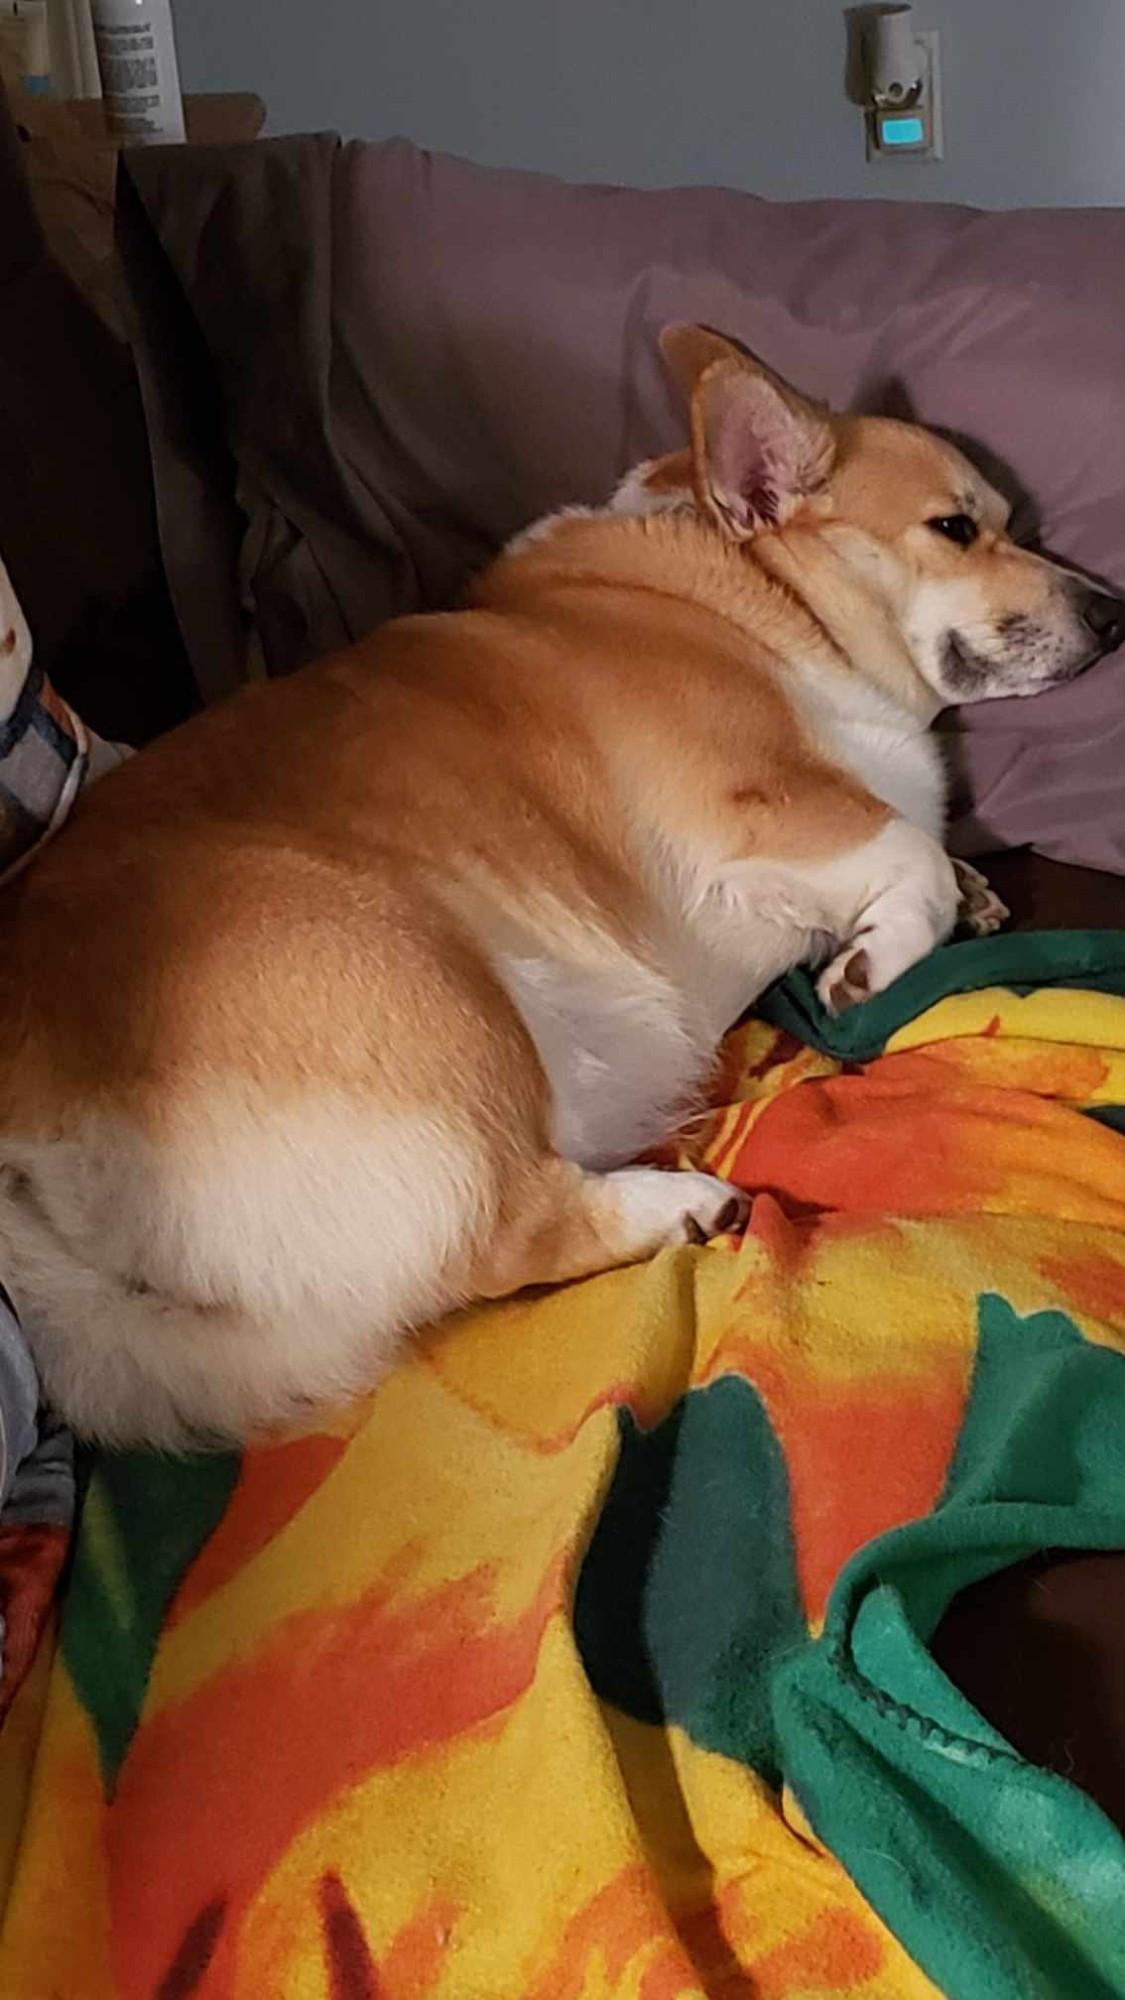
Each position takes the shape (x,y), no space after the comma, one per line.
(628,1048)
(752,922)
(634,495)
(893,753)
(896,896)
(260,1302)
(623,1049)
(542,530)
(659,1209)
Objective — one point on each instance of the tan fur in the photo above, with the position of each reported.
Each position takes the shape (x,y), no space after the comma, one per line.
(290,1010)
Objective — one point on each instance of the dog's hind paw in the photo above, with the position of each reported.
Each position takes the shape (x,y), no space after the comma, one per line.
(980,909)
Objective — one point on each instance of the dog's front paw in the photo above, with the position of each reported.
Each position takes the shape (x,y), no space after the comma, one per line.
(846,981)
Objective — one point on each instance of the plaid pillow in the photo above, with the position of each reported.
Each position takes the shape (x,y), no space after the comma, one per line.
(46,751)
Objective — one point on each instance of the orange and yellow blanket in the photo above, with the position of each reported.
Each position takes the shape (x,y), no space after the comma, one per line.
(589,1657)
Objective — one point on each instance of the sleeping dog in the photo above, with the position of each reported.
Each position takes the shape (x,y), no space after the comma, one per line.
(352,1000)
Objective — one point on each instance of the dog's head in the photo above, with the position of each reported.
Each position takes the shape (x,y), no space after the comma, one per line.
(882,506)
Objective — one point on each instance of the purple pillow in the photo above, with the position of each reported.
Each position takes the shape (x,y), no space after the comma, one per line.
(413,357)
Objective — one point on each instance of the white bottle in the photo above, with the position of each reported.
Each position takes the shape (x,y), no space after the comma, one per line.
(140,75)
(74,54)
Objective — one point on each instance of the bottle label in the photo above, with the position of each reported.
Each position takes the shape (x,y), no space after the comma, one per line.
(127,60)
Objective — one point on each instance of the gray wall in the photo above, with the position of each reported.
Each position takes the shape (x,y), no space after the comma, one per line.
(745,92)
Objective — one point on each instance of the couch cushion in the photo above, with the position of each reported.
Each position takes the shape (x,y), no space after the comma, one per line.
(416,356)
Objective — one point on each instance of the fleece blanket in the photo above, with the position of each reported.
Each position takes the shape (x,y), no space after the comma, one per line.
(589,1657)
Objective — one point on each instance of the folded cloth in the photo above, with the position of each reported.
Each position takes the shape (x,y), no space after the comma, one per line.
(46,756)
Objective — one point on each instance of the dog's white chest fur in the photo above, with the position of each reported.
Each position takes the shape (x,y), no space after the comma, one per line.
(892,753)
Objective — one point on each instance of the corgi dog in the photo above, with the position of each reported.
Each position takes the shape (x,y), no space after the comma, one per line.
(354,999)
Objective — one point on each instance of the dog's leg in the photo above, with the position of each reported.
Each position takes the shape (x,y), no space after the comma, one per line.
(899,898)
(568,1224)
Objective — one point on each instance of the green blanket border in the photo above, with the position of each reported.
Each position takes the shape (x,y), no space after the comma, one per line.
(1023,962)
(1002,1880)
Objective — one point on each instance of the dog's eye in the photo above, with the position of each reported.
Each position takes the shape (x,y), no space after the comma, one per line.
(959,528)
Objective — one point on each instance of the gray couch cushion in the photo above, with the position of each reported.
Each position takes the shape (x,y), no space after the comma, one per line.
(414,356)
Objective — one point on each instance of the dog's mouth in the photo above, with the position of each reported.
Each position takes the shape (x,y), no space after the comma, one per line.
(968,673)
(965,673)
(1068,674)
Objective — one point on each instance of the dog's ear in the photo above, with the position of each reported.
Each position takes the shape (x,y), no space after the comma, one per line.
(688,350)
(758,448)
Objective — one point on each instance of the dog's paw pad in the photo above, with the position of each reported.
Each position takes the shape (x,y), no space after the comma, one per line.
(661,1208)
(846,982)
(716,1215)
(986,917)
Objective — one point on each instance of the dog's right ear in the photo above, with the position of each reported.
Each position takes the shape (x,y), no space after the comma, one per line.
(758,448)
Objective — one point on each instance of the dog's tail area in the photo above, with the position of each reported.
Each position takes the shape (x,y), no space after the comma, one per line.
(128,1366)
(175,1308)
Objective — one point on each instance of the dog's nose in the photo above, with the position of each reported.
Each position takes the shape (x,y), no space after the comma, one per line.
(1105,616)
